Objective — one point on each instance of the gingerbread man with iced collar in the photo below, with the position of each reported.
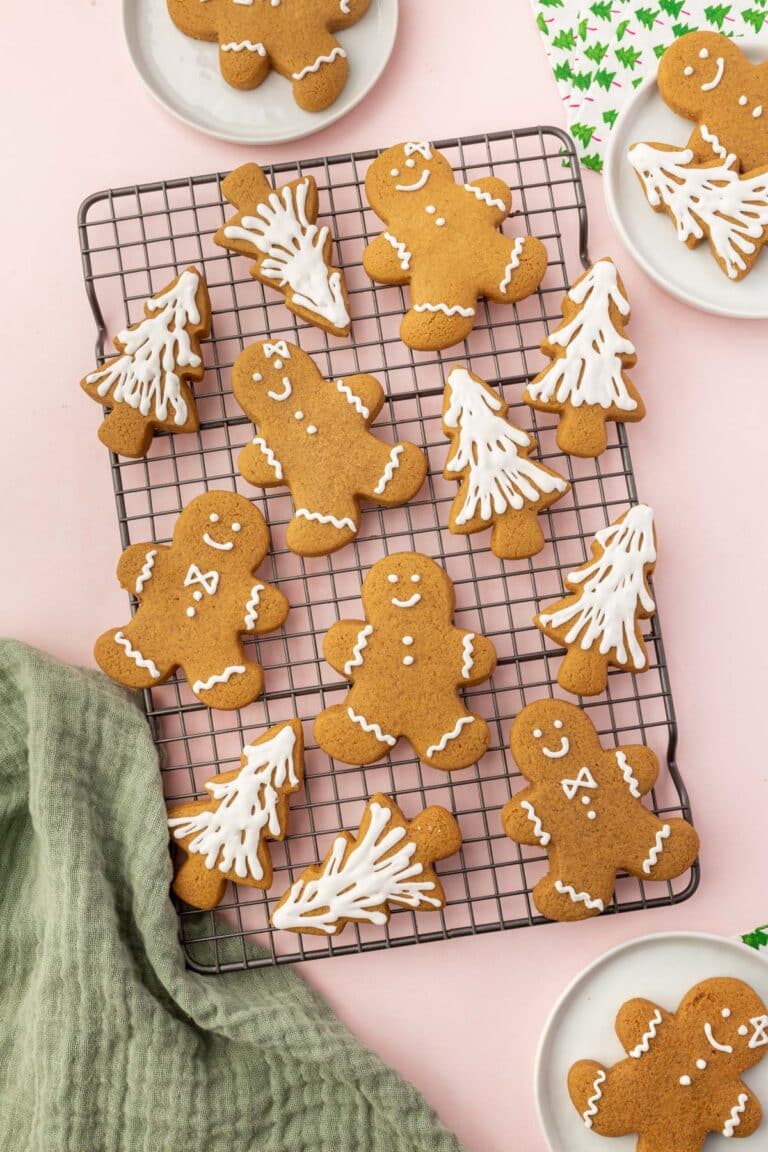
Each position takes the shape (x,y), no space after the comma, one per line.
(407,663)
(681,1078)
(583,807)
(197,597)
(445,240)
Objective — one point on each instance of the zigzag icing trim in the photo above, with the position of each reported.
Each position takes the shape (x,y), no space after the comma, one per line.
(737,1112)
(400,248)
(146,572)
(591,1109)
(356,718)
(486,197)
(326,518)
(645,1044)
(134,654)
(626,771)
(272,460)
(244,46)
(514,262)
(714,141)
(391,467)
(356,658)
(317,64)
(448,736)
(221,678)
(468,644)
(448,309)
(663,834)
(352,399)
(538,828)
(579,897)
(252,607)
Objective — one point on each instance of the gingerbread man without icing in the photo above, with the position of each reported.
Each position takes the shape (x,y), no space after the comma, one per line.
(197,596)
(407,663)
(295,37)
(444,239)
(584,807)
(312,434)
(681,1078)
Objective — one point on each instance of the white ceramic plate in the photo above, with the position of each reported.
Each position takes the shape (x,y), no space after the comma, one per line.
(661,968)
(692,276)
(183,74)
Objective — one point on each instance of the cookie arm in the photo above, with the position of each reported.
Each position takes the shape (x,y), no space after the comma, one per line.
(264,607)
(522,821)
(366,391)
(476,656)
(637,1025)
(258,464)
(137,565)
(384,260)
(736,1111)
(344,645)
(495,194)
(344,13)
(637,762)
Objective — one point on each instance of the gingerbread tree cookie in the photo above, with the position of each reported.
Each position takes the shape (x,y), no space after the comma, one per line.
(445,240)
(406,662)
(295,37)
(583,807)
(197,597)
(278,229)
(313,436)
(598,621)
(681,1078)
(500,485)
(388,862)
(147,385)
(224,836)
(586,382)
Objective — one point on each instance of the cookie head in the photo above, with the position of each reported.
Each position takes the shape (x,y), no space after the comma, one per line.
(406,590)
(225,526)
(266,376)
(550,734)
(405,175)
(700,69)
(727,1020)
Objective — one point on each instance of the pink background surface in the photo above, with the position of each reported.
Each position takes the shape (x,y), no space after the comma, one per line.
(460,1019)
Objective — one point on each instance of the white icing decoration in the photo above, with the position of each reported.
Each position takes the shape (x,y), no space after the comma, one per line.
(252,607)
(311,429)
(760,1037)
(514,262)
(414,148)
(447,309)
(468,644)
(417,184)
(407,640)
(688,70)
(287,390)
(146,572)
(713,141)
(352,399)
(390,468)
(597,1092)
(191,612)
(713,83)
(714,1043)
(685,1081)
(563,750)
(726,1013)
(486,197)
(612,587)
(230,835)
(356,882)
(356,659)
(653,856)
(590,372)
(327,518)
(591,815)
(411,602)
(757,111)
(227,546)
(440,222)
(344,5)
(134,654)
(583,779)
(499,478)
(626,771)
(704,54)
(645,1044)
(272,460)
(579,897)
(298,415)
(317,64)
(356,718)
(401,249)
(701,1065)
(731,210)
(430,209)
(448,736)
(737,1112)
(244,46)
(538,829)
(407,660)
(144,376)
(197,595)
(279,348)
(218,678)
(743,101)
(209,580)
(294,255)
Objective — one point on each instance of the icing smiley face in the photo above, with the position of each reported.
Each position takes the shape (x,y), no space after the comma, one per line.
(548,739)
(406,171)
(731,1023)
(405,586)
(225,525)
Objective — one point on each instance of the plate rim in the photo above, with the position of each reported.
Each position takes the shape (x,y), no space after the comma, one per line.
(611,178)
(329,115)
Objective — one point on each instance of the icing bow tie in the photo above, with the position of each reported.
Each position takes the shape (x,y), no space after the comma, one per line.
(422,149)
(209,580)
(279,348)
(759,1036)
(585,779)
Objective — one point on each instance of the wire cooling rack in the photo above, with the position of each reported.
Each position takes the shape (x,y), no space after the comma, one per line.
(133,241)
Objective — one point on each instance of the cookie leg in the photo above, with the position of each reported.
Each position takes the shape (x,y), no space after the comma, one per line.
(598,1099)
(244,64)
(453,742)
(349,736)
(319,77)
(225,680)
(431,324)
(396,474)
(573,891)
(665,850)
(316,533)
(119,653)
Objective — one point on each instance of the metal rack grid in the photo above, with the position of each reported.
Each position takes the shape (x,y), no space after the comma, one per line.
(133,241)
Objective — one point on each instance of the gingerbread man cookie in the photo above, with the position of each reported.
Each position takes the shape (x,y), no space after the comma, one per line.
(584,807)
(445,240)
(313,436)
(147,385)
(681,1078)
(224,837)
(295,37)
(197,597)
(406,662)
(278,229)
(706,77)
(390,861)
